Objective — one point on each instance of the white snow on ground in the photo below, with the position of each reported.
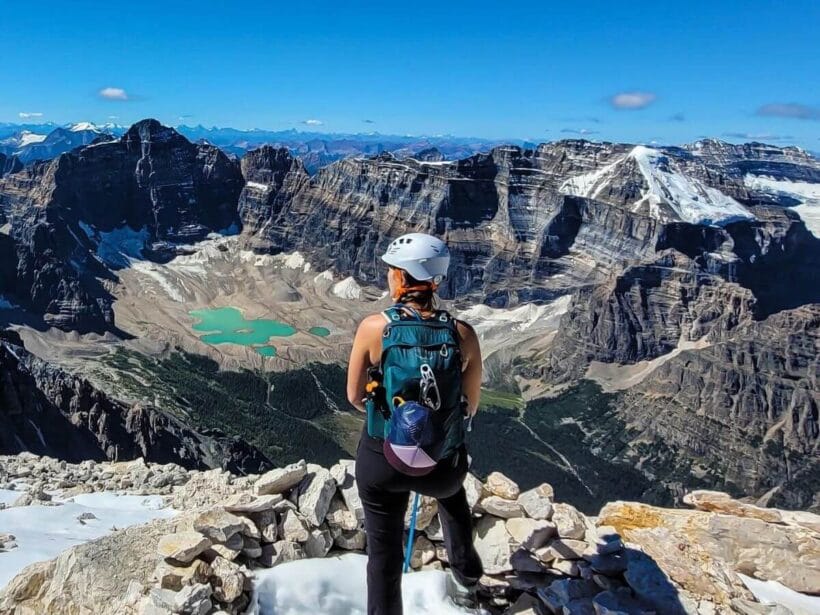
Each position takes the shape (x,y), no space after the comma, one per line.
(27,138)
(42,532)
(347,289)
(500,328)
(258,186)
(294,260)
(337,586)
(5,304)
(80,126)
(772,592)
(691,200)
(806,192)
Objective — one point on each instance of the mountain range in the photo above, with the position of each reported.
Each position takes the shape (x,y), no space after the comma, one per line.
(649,315)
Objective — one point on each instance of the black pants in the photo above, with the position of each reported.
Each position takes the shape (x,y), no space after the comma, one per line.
(385,494)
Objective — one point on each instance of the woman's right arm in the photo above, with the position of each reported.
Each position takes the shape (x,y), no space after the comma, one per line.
(472,373)
(369,330)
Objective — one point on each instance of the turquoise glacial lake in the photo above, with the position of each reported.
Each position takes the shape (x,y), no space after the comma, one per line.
(228,326)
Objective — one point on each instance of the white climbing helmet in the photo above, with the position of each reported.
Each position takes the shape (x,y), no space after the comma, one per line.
(424,257)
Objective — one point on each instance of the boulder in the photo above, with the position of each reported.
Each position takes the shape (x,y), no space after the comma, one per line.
(266,522)
(174,577)
(474,491)
(707,547)
(423,553)
(246,503)
(501,507)
(338,516)
(193,599)
(182,547)
(315,493)
(493,544)
(218,524)
(530,533)
(568,521)
(537,502)
(344,473)
(503,487)
(523,561)
(566,548)
(251,547)
(294,528)
(281,479)
(428,509)
(318,543)
(227,580)
(526,604)
(717,501)
(280,552)
(355,540)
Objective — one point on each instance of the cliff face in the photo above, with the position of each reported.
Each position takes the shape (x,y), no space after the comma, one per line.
(743,410)
(51,412)
(152,182)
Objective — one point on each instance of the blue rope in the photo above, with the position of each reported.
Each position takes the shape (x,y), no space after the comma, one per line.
(412,533)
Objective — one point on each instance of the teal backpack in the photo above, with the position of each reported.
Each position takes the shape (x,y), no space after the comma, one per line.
(419,410)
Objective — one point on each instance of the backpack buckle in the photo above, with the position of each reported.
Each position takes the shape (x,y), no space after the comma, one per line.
(430,395)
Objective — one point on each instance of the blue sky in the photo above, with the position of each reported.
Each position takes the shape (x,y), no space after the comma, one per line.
(632,71)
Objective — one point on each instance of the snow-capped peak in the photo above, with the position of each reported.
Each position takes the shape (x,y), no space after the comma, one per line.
(668,193)
(82,126)
(27,138)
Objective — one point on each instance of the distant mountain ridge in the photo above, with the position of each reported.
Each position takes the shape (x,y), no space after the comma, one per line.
(694,258)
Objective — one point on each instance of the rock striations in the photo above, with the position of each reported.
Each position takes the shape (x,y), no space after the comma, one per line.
(540,556)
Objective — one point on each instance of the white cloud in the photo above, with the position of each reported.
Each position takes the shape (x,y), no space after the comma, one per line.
(790,110)
(312,122)
(113,93)
(29,115)
(632,100)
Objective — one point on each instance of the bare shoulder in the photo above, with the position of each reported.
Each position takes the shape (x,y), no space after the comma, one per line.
(372,326)
(465,330)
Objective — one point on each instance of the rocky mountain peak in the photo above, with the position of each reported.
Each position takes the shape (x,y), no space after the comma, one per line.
(151,130)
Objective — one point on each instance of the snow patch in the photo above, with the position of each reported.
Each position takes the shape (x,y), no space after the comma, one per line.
(772,592)
(337,586)
(5,304)
(83,126)
(347,289)
(806,192)
(294,260)
(42,532)
(484,319)
(27,138)
(257,186)
(690,199)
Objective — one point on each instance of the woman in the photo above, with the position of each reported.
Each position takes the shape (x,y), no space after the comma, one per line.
(418,263)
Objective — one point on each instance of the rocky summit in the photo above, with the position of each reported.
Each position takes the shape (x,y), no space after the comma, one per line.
(547,558)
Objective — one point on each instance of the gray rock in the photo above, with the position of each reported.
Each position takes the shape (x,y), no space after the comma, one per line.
(503,487)
(523,561)
(501,507)
(530,533)
(474,490)
(247,503)
(280,552)
(318,543)
(218,524)
(315,493)
(355,540)
(294,528)
(493,544)
(568,521)
(251,548)
(566,548)
(619,603)
(182,546)
(281,479)
(193,599)
(228,580)
(268,528)
(537,502)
